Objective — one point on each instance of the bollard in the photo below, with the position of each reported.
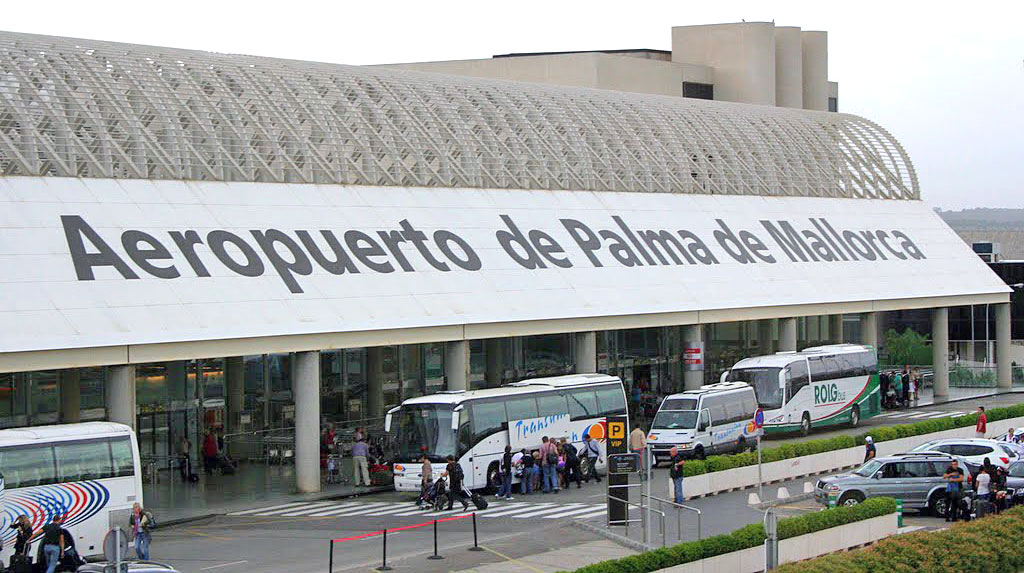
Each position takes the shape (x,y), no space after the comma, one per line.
(783,493)
(899,512)
(832,499)
(752,499)
(330,558)
(384,560)
(475,546)
(435,555)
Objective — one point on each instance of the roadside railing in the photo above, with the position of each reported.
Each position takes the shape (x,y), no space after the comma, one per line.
(384,539)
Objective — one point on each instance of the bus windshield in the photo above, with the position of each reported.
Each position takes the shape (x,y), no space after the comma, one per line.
(675,419)
(423,428)
(765,382)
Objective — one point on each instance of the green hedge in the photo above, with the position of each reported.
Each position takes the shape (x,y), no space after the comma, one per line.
(988,544)
(743,538)
(883,434)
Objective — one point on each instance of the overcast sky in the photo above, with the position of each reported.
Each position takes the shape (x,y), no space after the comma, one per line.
(946,79)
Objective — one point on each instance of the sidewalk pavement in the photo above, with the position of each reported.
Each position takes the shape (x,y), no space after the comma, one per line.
(253,485)
(561,559)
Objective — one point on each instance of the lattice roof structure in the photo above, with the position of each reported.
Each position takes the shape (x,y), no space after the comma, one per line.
(86,108)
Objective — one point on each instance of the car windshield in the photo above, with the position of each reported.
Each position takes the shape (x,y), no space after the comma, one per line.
(765,382)
(868,469)
(925,447)
(423,428)
(675,419)
(1016,469)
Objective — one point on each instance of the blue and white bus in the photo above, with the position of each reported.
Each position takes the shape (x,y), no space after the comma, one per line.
(476,425)
(87,473)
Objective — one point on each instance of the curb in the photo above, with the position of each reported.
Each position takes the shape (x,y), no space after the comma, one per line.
(621,540)
(777,502)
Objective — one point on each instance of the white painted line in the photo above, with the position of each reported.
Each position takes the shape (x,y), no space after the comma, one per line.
(392,510)
(283,511)
(361,509)
(901,414)
(336,509)
(922,415)
(561,508)
(417,511)
(310,509)
(948,414)
(252,511)
(497,507)
(223,565)
(588,509)
(523,508)
(594,514)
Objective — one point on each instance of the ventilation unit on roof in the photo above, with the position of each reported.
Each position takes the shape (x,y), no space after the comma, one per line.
(988,251)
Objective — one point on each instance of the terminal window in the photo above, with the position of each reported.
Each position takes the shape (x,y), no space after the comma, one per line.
(833,104)
(698,90)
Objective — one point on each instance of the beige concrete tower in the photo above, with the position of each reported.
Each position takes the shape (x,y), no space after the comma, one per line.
(815,58)
(789,67)
(743,56)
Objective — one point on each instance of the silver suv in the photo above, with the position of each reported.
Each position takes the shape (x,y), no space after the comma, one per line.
(916,478)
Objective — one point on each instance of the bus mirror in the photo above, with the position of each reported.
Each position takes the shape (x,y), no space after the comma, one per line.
(387,423)
(724,376)
(455,421)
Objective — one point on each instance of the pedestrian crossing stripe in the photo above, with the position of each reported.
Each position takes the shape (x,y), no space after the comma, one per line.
(918,414)
(496,509)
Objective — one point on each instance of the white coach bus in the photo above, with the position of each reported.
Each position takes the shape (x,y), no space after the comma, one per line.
(475,426)
(816,387)
(88,473)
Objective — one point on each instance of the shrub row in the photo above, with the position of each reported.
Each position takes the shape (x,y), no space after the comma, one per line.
(883,434)
(743,538)
(988,544)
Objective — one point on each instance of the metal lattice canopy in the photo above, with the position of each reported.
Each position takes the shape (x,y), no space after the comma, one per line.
(85,108)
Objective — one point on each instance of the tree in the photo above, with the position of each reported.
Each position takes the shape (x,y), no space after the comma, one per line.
(908,348)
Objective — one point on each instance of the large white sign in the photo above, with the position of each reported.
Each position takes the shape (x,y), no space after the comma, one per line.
(93,262)
(529,433)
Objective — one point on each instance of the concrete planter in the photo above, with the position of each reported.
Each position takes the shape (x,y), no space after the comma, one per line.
(783,470)
(797,548)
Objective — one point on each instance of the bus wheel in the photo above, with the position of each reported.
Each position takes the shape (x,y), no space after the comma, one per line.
(699,453)
(855,417)
(493,480)
(741,446)
(805,424)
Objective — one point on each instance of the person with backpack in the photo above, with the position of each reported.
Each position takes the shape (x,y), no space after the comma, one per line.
(141,523)
(549,464)
(526,480)
(593,452)
(454,473)
(572,464)
(505,475)
(52,547)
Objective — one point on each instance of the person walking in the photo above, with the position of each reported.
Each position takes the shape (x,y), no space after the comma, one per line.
(53,544)
(210,451)
(676,473)
(24,536)
(593,451)
(454,474)
(897,386)
(141,524)
(906,385)
(869,448)
(572,464)
(520,460)
(185,457)
(426,479)
(982,426)
(505,475)
(549,465)
(954,477)
(360,467)
(638,445)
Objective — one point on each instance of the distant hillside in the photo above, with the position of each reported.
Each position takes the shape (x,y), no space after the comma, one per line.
(984,219)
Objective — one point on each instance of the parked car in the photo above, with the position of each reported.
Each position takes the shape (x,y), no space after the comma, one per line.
(133,567)
(974,450)
(914,477)
(1015,476)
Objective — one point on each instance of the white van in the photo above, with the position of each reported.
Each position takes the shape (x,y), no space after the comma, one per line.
(715,419)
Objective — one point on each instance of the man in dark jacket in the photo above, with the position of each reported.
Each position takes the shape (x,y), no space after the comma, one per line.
(505,475)
(572,463)
(454,473)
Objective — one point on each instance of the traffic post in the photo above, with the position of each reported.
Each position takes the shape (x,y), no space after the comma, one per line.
(618,483)
(899,512)
(758,427)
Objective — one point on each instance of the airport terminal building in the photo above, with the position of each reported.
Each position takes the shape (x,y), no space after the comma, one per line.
(192,240)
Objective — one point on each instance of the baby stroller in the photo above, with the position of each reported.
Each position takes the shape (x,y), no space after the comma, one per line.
(891,401)
(333,469)
(435,495)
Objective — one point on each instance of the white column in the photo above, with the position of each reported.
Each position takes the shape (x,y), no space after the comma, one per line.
(70,395)
(869,329)
(940,352)
(693,374)
(1004,374)
(121,394)
(456,364)
(374,382)
(835,328)
(306,387)
(586,352)
(787,334)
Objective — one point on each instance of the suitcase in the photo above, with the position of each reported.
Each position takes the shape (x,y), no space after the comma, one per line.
(983,508)
(478,501)
(193,478)
(21,564)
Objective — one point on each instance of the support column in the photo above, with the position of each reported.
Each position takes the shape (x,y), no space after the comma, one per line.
(456,364)
(375,382)
(586,352)
(787,334)
(495,360)
(1004,374)
(234,382)
(764,336)
(70,396)
(940,352)
(121,394)
(835,328)
(693,356)
(306,388)
(869,329)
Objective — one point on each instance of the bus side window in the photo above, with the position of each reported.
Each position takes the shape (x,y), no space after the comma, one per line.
(705,419)
(488,418)
(523,408)
(819,371)
(29,466)
(582,404)
(78,461)
(551,405)
(796,378)
(611,401)
(833,367)
(121,450)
